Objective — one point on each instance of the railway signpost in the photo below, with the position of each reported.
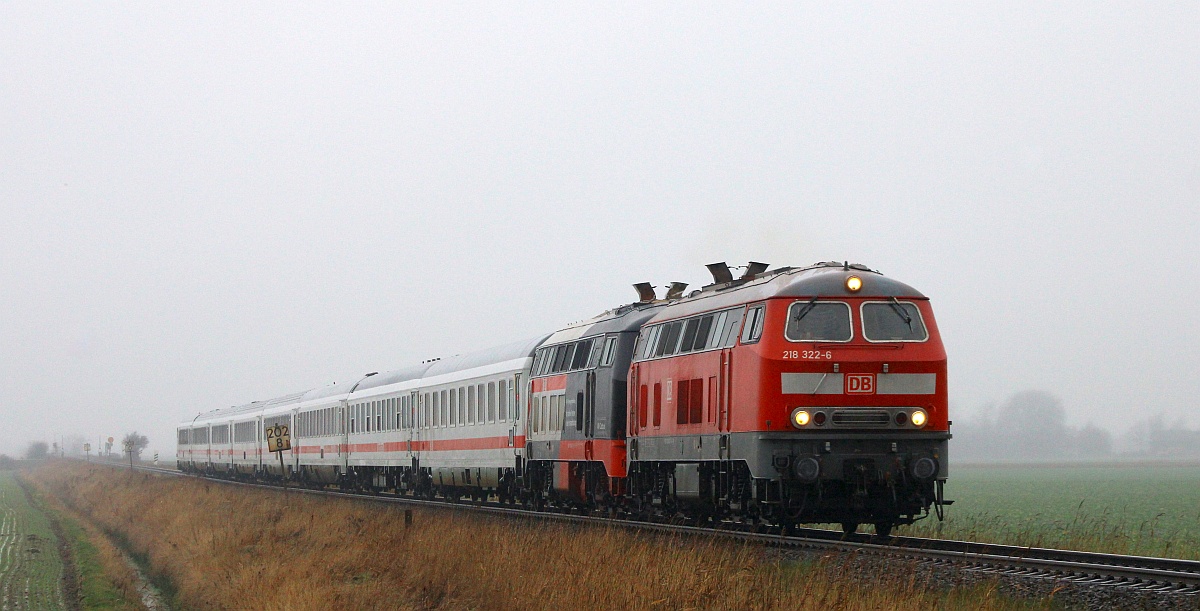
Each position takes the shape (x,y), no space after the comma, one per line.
(279,438)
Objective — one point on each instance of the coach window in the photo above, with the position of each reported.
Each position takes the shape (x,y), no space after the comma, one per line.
(502,400)
(453,408)
(491,401)
(461,394)
(480,404)
(470,405)
(543,407)
(533,419)
(379,415)
(610,350)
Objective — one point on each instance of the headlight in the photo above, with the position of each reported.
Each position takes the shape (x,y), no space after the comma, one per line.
(853,284)
(800,418)
(919,418)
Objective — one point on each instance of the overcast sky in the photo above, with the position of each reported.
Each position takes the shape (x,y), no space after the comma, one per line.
(206,204)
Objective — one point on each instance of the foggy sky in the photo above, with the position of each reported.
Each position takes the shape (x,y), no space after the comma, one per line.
(207,204)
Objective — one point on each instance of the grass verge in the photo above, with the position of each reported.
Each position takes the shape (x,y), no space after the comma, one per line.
(104,580)
(224,547)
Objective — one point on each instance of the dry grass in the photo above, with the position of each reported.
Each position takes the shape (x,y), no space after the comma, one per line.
(224,547)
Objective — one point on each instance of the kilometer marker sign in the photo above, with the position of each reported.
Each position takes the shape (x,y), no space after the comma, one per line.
(279,438)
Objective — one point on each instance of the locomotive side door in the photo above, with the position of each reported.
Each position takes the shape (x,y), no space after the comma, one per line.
(724,389)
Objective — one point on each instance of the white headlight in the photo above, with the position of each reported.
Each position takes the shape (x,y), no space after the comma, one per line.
(800,418)
(919,418)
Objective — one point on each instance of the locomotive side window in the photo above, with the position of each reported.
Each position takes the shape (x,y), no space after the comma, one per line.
(752,331)
(610,350)
(718,330)
(689,335)
(818,321)
(893,321)
(668,339)
(700,340)
(597,350)
(583,352)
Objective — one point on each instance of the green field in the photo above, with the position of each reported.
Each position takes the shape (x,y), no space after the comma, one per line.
(30,567)
(1131,509)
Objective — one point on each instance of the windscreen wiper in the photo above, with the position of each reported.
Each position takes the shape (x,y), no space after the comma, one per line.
(901,313)
(806,309)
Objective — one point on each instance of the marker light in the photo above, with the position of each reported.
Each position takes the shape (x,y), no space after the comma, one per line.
(853,284)
(918,418)
(800,418)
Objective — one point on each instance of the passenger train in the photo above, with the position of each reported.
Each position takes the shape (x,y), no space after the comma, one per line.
(784,396)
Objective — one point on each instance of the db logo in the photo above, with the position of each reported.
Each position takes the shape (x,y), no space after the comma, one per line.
(860,383)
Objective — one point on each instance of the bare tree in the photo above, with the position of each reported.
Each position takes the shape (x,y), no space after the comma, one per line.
(135,442)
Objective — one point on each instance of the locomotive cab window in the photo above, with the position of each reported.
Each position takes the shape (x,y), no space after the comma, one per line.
(818,321)
(893,321)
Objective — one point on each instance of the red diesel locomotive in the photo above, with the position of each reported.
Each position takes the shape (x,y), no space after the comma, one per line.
(794,395)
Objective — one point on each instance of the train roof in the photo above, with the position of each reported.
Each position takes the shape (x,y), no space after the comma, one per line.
(818,280)
(482,358)
(629,317)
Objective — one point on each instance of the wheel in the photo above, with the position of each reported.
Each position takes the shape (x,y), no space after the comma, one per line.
(883,530)
(849,528)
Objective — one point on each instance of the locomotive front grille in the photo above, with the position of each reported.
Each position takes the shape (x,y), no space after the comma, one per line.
(861,418)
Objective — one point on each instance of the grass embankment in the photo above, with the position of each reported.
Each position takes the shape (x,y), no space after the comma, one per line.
(224,547)
(1149,510)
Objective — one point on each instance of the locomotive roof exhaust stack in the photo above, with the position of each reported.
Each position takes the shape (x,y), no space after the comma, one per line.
(720,272)
(675,291)
(645,292)
(753,269)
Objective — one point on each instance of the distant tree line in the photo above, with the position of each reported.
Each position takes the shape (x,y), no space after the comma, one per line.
(1031,426)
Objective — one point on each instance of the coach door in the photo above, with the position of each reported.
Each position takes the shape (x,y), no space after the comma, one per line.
(409,420)
(514,413)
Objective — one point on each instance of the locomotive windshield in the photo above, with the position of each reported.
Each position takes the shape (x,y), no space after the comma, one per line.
(893,321)
(818,321)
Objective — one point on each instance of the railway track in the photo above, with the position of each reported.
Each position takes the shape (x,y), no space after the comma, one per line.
(1133,573)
